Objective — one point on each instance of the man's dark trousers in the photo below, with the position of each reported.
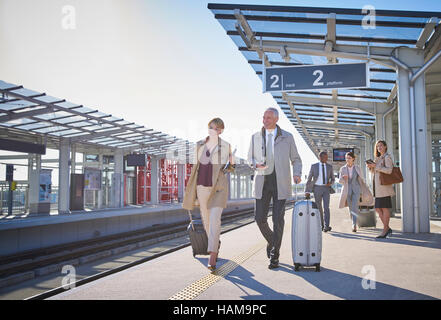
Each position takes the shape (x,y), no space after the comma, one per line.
(273,237)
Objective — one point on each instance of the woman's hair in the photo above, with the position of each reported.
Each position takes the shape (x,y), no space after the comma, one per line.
(351,154)
(217,122)
(376,152)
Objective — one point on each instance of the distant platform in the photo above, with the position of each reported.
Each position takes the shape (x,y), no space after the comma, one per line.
(41,231)
(402,266)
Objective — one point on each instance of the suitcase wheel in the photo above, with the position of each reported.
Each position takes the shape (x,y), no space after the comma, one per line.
(317,267)
(296,266)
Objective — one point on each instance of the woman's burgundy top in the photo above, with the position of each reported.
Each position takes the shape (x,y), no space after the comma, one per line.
(205,172)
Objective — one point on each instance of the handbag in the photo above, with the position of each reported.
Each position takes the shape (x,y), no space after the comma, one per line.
(394,177)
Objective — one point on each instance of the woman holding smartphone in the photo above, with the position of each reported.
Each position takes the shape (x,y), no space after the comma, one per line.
(353,186)
(383,202)
(208,184)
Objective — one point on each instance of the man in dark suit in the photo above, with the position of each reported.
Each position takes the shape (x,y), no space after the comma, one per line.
(320,180)
(273,153)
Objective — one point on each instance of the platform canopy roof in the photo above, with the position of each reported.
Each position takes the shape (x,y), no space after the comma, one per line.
(271,36)
(31,116)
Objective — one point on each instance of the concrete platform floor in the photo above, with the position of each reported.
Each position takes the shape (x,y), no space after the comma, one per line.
(404,266)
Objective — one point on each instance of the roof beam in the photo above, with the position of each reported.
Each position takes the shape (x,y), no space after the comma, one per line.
(60,108)
(20,115)
(356,52)
(322,10)
(369,107)
(434,44)
(300,123)
(393,94)
(426,32)
(365,130)
(244,23)
(95,135)
(339,140)
(330,42)
(330,39)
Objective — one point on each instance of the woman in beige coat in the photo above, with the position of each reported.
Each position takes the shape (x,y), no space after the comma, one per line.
(354,188)
(383,203)
(208,184)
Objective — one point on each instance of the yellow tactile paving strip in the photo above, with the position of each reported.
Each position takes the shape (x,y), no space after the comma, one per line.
(196,288)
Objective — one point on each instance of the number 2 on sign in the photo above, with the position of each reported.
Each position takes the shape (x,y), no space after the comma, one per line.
(275,83)
(320,76)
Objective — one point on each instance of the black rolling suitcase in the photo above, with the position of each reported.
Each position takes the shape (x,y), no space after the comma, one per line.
(198,236)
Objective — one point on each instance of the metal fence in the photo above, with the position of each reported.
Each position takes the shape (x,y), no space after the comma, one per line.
(20,198)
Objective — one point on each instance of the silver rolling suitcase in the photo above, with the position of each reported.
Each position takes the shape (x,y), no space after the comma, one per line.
(306,235)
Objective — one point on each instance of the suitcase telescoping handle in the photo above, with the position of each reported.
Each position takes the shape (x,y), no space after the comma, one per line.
(191,219)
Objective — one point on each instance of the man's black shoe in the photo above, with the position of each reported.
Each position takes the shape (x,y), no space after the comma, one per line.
(273,264)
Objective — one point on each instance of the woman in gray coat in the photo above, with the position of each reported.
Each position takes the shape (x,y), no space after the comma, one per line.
(349,177)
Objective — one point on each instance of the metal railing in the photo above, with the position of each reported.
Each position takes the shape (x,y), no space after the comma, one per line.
(19,199)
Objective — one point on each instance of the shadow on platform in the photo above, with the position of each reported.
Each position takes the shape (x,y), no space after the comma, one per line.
(338,284)
(243,279)
(347,286)
(428,240)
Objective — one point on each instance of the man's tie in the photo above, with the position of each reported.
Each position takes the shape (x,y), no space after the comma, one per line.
(323,173)
(269,154)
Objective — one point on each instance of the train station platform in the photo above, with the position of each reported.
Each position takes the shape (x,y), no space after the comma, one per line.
(354,266)
(42,231)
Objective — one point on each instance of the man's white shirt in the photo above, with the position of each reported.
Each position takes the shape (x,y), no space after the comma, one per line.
(274,133)
(319,181)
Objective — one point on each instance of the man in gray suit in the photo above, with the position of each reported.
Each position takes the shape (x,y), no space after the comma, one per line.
(272,153)
(320,180)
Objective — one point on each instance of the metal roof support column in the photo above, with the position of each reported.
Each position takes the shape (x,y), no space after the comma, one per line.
(423,152)
(387,125)
(229,185)
(413,131)
(64,177)
(362,160)
(430,158)
(369,148)
(154,179)
(379,133)
(100,192)
(73,160)
(34,167)
(181,181)
(238,186)
(118,180)
(436,173)
(405,140)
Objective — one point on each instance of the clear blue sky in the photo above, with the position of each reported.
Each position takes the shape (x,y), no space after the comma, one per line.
(168,65)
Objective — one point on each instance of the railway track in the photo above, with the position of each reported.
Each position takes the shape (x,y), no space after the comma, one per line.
(56,256)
